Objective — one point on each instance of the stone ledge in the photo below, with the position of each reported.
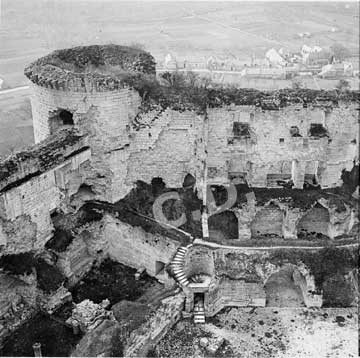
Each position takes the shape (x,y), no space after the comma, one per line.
(39,158)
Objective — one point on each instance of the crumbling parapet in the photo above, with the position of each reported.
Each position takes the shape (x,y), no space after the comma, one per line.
(22,166)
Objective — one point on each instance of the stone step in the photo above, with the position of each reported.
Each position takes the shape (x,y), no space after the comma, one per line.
(178,268)
(183,281)
(177,264)
(181,252)
(179,256)
(182,249)
(200,320)
(180,276)
(177,259)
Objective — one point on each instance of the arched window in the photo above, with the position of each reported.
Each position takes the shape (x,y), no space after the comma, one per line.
(59,119)
(66,117)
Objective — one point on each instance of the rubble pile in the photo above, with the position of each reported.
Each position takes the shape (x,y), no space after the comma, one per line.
(87,315)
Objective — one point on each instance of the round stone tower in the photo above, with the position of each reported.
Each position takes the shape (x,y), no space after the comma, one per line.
(89,88)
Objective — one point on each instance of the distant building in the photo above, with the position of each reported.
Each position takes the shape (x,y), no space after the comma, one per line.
(337,70)
(170,62)
(308,52)
(274,58)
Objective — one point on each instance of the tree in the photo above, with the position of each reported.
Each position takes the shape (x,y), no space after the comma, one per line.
(174,79)
(340,52)
(343,85)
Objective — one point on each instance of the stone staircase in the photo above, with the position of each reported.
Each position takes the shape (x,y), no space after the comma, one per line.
(199,312)
(177,265)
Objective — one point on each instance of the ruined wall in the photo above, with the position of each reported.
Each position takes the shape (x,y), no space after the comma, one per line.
(199,261)
(169,145)
(155,328)
(268,221)
(157,143)
(247,271)
(315,221)
(26,203)
(270,147)
(277,144)
(236,293)
(133,247)
(17,302)
(89,245)
(283,218)
(105,117)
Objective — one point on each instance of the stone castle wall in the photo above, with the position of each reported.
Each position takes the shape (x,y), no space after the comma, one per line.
(130,144)
(105,117)
(27,202)
(270,148)
(134,247)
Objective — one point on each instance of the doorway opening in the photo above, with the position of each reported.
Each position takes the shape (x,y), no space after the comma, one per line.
(199,297)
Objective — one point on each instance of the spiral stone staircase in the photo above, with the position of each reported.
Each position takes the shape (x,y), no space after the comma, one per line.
(177,265)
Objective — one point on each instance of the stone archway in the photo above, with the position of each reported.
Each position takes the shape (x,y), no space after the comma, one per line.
(285,287)
(314,224)
(223,226)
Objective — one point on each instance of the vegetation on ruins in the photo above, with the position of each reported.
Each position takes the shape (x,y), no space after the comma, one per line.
(186,91)
(108,61)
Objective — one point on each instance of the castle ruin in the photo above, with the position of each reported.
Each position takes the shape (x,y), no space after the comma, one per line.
(252,183)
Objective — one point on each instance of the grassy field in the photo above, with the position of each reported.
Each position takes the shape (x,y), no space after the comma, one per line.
(193,30)
(32,28)
(16,130)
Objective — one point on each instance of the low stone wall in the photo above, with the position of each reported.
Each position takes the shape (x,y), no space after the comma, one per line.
(155,328)
(236,293)
(134,247)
